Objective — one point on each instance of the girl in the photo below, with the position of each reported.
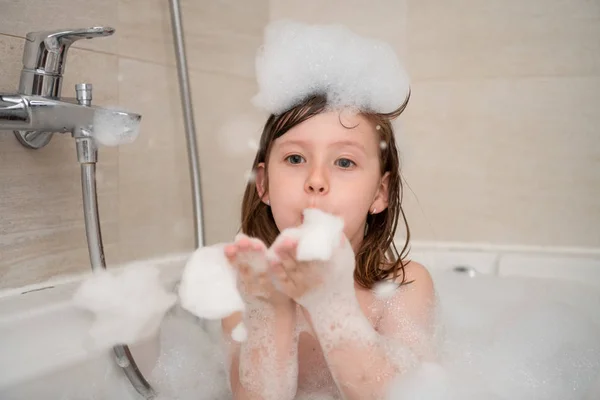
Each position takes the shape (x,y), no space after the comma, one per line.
(345,164)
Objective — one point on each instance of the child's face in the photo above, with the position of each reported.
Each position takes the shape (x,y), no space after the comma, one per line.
(322,164)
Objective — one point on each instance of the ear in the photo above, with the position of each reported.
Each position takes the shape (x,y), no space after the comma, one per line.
(261,183)
(380,202)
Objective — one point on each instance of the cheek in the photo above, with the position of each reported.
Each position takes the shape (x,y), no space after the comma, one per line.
(355,203)
(282,214)
(281,198)
(283,183)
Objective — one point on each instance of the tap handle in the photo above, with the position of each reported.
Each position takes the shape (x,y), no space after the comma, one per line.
(45,51)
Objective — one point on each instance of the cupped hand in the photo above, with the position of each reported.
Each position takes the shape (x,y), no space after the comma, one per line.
(248,256)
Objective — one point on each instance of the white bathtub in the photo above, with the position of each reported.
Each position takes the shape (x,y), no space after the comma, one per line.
(43,352)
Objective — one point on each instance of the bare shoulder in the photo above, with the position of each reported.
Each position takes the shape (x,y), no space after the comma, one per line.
(416,275)
(417,294)
(411,305)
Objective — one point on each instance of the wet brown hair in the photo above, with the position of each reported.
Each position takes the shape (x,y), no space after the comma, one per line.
(377,259)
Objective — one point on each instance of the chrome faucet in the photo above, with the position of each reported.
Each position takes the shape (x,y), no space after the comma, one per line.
(37,110)
(45,55)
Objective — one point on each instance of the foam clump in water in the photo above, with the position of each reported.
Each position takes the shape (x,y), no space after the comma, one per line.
(113,127)
(429,381)
(208,286)
(191,364)
(299,60)
(128,306)
(509,338)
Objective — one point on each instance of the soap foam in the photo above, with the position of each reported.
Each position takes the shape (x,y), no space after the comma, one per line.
(114,127)
(128,306)
(516,338)
(317,237)
(299,60)
(321,234)
(385,289)
(208,287)
(504,338)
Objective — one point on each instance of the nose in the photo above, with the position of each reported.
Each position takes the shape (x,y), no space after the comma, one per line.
(317,182)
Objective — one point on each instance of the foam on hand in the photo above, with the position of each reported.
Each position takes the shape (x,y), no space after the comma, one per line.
(128,306)
(254,259)
(321,235)
(239,333)
(113,127)
(299,60)
(318,236)
(208,287)
(321,240)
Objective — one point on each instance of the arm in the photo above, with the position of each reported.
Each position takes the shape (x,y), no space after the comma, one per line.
(363,360)
(265,366)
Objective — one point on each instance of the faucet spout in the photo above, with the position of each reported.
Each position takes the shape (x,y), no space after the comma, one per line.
(35,118)
(21,112)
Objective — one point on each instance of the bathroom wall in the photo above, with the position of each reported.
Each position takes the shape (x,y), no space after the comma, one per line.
(144,194)
(499,142)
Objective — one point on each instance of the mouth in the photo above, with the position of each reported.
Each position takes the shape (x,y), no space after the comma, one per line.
(319,208)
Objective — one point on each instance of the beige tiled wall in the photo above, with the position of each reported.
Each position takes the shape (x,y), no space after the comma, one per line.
(144,193)
(500,140)
(502,132)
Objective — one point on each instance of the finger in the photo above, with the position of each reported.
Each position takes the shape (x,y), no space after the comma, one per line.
(279,272)
(282,282)
(230,251)
(257,245)
(284,278)
(262,286)
(285,251)
(290,267)
(290,250)
(293,267)
(243,244)
(262,280)
(244,270)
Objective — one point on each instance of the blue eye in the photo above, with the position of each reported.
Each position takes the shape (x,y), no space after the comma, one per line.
(295,159)
(345,163)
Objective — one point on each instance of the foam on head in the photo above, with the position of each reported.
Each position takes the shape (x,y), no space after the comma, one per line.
(299,60)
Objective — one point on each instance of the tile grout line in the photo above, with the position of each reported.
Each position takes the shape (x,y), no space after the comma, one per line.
(12,36)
